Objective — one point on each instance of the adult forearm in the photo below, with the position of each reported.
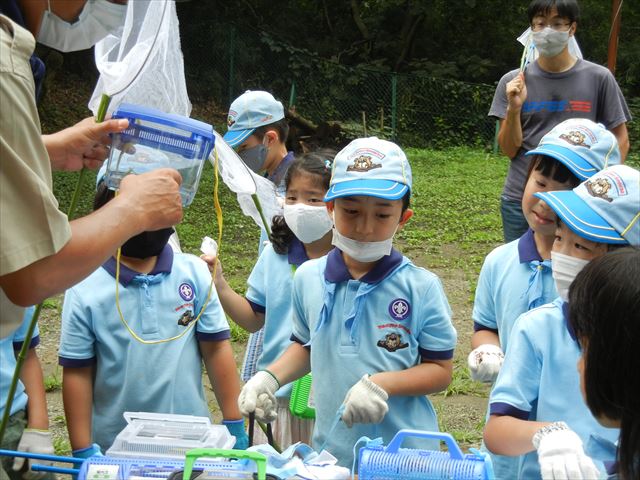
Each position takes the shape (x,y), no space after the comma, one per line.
(94,239)
(510,134)
(422,379)
(505,435)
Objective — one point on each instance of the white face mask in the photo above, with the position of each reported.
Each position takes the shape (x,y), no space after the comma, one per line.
(564,269)
(362,251)
(550,42)
(308,223)
(97,19)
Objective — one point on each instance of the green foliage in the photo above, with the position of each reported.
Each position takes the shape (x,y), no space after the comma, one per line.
(61,446)
(53,382)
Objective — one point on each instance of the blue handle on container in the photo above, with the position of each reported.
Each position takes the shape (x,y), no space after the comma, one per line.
(40,456)
(129,110)
(453,447)
(48,468)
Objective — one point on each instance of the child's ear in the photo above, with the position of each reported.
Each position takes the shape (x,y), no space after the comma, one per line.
(330,206)
(272,137)
(404,218)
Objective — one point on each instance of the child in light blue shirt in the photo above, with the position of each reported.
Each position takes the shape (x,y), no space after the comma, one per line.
(516,277)
(374,329)
(536,404)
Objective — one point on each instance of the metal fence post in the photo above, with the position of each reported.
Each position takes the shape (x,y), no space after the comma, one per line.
(495,138)
(232,50)
(394,105)
(292,95)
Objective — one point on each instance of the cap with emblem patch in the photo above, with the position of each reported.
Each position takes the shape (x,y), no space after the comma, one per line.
(371,167)
(251,110)
(583,146)
(605,208)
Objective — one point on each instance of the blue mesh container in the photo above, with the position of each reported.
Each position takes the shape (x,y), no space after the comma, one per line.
(155,139)
(395,463)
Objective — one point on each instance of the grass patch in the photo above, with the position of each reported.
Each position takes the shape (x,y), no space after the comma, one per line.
(53,382)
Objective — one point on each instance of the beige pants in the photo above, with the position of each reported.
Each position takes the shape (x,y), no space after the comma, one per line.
(287,428)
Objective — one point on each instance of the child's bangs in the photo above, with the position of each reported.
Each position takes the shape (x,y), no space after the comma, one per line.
(553,169)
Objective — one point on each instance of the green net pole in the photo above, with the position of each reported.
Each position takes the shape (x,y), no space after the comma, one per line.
(232,50)
(394,105)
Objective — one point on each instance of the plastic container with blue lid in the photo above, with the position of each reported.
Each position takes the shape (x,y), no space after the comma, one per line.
(155,139)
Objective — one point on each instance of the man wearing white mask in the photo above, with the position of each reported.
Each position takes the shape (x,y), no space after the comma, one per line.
(72,25)
(556,86)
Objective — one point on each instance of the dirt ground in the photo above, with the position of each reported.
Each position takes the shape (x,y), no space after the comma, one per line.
(460,414)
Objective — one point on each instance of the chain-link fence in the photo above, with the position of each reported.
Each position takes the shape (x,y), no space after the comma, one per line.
(222,61)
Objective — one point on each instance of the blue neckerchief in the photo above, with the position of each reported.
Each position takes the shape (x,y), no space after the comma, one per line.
(535,290)
(528,253)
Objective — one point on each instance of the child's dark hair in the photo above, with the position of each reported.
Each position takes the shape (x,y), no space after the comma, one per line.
(317,163)
(566,8)
(552,168)
(103,195)
(604,303)
(281,126)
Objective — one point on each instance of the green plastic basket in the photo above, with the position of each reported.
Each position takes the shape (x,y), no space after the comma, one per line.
(301,402)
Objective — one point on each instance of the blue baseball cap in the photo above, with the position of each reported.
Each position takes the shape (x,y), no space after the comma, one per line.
(583,146)
(252,109)
(605,208)
(371,167)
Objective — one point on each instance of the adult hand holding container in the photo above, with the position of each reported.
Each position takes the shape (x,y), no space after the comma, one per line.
(156,140)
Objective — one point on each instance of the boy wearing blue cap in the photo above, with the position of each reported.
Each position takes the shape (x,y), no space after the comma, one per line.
(258,130)
(537,409)
(374,329)
(517,277)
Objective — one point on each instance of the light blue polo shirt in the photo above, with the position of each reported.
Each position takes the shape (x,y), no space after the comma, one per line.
(269,292)
(539,380)
(391,319)
(9,348)
(513,279)
(132,376)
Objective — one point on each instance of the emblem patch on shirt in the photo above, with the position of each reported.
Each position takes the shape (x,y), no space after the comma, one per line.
(392,342)
(576,138)
(186,318)
(399,309)
(363,163)
(186,292)
(599,188)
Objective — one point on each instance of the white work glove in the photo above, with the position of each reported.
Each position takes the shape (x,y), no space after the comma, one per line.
(258,396)
(34,441)
(365,402)
(560,454)
(485,362)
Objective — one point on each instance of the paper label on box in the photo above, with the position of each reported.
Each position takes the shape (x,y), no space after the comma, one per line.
(102,472)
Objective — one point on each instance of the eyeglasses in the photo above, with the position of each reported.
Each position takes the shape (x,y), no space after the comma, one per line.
(558,25)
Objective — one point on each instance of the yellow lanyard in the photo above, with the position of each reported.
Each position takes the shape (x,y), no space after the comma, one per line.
(218,210)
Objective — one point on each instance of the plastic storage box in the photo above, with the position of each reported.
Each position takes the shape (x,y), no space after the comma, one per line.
(155,139)
(378,462)
(166,436)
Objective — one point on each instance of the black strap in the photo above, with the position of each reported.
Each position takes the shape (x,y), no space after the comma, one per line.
(252,424)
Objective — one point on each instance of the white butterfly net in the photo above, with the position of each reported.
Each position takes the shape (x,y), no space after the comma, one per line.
(142,62)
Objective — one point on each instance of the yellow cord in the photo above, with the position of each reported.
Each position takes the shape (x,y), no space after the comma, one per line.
(218,210)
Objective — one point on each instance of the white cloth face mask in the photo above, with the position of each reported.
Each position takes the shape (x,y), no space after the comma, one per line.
(308,223)
(97,19)
(550,42)
(362,251)
(564,269)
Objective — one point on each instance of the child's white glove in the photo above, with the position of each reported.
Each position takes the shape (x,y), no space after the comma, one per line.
(258,396)
(485,362)
(560,454)
(34,441)
(365,402)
